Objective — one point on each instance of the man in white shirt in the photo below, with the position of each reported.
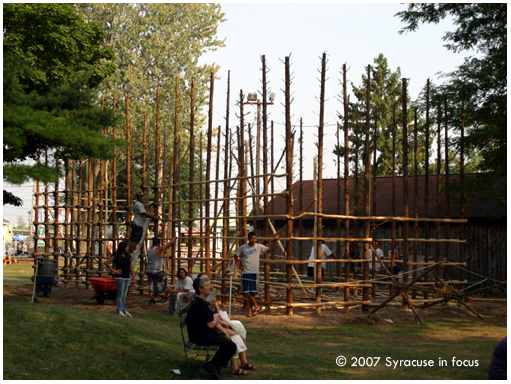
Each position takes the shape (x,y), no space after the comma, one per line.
(137,227)
(325,253)
(156,276)
(249,254)
(379,252)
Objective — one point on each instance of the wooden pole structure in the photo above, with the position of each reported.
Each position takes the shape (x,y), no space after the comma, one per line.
(176,227)
(367,180)
(301,256)
(242,186)
(217,186)
(289,184)
(416,196)
(157,203)
(267,292)
(202,202)
(319,197)
(462,193)
(192,178)
(347,248)
(115,231)
(338,198)
(393,242)
(438,187)
(92,195)
(405,187)
(426,178)
(56,225)
(225,225)
(208,170)
(447,194)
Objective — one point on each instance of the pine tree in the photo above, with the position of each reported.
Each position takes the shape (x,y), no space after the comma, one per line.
(53,61)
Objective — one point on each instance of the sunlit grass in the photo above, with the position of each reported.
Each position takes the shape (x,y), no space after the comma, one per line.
(23,272)
(62,343)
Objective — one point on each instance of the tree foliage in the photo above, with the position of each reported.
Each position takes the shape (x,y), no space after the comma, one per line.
(385,100)
(53,60)
(156,44)
(480,83)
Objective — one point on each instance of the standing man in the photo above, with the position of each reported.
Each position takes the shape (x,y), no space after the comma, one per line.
(155,274)
(325,253)
(249,254)
(379,252)
(137,227)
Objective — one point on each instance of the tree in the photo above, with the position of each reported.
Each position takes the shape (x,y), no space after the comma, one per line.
(480,82)
(53,61)
(21,223)
(385,94)
(155,44)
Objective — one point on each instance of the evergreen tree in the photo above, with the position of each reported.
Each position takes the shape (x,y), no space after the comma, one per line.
(385,93)
(53,61)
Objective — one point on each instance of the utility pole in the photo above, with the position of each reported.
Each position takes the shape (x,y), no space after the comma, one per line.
(253,100)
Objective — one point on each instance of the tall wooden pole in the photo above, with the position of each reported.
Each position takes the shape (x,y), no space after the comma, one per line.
(208,170)
(289,186)
(367,181)
(405,185)
(114,181)
(462,193)
(176,248)
(346,184)
(318,248)
(426,179)
(416,195)
(225,225)
(192,178)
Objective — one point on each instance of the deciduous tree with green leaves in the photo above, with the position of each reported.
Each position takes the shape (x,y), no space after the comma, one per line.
(481,81)
(155,44)
(53,62)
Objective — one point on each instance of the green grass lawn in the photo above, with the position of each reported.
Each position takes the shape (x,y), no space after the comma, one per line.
(19,273)
(48,342)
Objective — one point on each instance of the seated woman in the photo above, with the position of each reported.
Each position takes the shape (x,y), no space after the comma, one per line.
(183,290)
(223,326)
(201,324)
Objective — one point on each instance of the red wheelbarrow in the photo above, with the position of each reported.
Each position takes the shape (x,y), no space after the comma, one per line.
(105,289)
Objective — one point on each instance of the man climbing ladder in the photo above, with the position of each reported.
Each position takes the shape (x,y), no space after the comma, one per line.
(139,225)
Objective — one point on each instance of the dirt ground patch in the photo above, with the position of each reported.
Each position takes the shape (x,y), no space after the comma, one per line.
(71,296)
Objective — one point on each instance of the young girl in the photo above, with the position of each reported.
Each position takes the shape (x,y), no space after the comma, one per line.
(124,269)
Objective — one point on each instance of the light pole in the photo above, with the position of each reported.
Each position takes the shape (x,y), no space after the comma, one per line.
(253,100)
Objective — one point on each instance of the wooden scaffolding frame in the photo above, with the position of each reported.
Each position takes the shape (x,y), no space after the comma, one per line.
(92,208)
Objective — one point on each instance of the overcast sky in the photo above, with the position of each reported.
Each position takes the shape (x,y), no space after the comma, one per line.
(351,34)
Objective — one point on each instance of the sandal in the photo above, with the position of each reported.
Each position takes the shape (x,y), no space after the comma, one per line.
(250,314)
(239,372)
(249,367)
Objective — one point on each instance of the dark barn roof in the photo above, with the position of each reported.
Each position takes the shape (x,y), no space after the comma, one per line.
(481,208)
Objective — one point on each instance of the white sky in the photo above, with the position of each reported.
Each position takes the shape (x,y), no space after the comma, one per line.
(351,34)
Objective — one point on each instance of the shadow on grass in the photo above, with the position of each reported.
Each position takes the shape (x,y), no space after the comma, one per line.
(61,343)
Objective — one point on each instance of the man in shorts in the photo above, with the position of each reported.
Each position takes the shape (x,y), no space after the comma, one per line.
(249,254)
(137,227)
(156,276)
